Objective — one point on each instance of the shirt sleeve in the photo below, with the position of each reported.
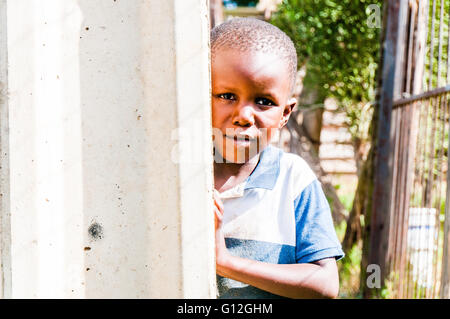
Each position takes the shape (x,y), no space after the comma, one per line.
(315,235)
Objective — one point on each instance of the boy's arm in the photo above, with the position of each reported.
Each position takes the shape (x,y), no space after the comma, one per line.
(308,280)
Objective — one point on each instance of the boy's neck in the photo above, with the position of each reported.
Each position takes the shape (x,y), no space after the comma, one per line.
(228,175)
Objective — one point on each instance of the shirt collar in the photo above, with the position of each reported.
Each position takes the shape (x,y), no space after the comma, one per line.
(267,170)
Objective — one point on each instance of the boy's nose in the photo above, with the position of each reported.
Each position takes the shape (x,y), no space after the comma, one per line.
(243,116)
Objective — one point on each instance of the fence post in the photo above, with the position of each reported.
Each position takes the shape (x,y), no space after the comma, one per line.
(391,87)
(445,277)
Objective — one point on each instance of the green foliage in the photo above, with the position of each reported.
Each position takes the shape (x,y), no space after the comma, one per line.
(349,266)
(434,27)
(339,46)
(347,200)
(388,290)
(349,273)
(340,230)
(334,38)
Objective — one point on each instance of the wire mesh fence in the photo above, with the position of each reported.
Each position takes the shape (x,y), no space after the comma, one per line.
(419,213)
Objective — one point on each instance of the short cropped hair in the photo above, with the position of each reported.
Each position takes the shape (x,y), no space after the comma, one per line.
(250,34)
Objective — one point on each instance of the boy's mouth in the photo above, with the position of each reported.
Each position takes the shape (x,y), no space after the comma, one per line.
(241,138)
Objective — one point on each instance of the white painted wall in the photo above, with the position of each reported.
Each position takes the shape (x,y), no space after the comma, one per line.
(5,243)
(102,203)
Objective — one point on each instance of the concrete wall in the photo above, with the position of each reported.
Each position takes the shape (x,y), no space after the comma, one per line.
(5,243)
(103,202)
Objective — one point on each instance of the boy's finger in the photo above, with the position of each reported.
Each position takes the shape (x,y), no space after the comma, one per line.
(217,218)
(219,205)
(217,201)
(218,213)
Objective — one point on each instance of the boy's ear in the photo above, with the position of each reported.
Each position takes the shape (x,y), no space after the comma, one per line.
(291,103)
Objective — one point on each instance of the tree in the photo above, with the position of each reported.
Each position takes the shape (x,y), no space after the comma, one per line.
(338,44)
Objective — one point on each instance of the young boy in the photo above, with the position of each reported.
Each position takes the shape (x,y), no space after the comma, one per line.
(274,232)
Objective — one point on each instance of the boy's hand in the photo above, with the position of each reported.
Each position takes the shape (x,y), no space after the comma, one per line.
(307,280)
(218,209)
(221,249)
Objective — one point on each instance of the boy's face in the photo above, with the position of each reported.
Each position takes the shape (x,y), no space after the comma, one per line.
(250,101)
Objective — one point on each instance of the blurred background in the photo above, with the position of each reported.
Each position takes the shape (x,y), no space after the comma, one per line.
(372,121)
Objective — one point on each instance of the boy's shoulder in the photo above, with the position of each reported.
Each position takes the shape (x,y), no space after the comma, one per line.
(293,161)
(286,158)
(293,169)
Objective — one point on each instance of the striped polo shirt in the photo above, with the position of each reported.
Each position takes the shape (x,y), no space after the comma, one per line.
(280,215)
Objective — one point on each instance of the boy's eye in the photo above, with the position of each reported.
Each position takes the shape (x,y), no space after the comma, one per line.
(264,101)
(227,96)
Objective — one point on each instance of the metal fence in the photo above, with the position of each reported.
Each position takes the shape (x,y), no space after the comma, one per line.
(418,218)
